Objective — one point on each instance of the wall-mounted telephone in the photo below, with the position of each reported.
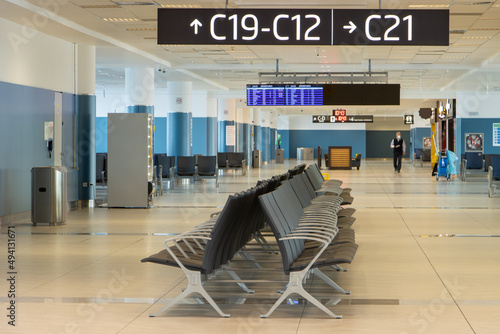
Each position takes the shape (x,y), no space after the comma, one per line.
(48,135)
(49,147)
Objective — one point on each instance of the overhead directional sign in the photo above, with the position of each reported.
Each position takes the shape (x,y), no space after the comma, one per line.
(303,26)
(342,119)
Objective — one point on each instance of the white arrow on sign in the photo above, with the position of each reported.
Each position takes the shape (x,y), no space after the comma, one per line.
(196,25)
(351,26)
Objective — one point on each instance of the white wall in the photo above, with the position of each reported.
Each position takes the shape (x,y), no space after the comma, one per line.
(115,100)
(34,59)
(486,105)
(419,122)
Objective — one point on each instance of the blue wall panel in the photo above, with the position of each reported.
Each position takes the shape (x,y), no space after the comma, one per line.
(479,125)
(160,135)
(101,135)
(200,135)
(416,135)
(23,111)
(378,143)
(325,138)
(211,135)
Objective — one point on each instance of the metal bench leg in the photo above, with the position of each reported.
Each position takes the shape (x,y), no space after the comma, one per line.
(243,286)
(295,286)
(245,255)
(336,267)
(318,273)
(194,285)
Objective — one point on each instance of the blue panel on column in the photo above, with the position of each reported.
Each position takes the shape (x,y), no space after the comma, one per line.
(140,109)
(179,134)
(160,135)
(272,143)
(247,141)
(222,137)
(200,135)
(239,137)
(211,136)
(86,113)
(101,135)
(266,137)
(257,137)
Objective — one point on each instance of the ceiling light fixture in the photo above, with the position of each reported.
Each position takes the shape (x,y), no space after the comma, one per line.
(429,6)
(111,19)
(181,6)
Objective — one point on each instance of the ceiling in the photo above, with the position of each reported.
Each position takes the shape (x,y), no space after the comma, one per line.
(125,35)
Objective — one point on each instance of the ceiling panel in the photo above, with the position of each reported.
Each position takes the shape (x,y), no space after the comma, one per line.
(474,39)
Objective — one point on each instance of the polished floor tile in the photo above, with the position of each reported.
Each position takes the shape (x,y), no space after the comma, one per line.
(428,262)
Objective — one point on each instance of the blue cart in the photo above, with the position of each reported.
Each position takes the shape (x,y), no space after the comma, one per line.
(442,169)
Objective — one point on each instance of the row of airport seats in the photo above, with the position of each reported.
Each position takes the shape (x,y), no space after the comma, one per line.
(196,167)
(282,216)
(232,160)
(476,165)
(171,168)
(421,154)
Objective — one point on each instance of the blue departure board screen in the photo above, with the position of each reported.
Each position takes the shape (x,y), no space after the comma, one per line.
(304,95)
(265,95)
(323,94)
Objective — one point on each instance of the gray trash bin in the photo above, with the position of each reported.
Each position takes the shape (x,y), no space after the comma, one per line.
(305,153)
(48,195)
(280,156)
(256,158)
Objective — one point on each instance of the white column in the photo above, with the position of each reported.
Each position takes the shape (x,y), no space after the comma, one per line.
(139,86)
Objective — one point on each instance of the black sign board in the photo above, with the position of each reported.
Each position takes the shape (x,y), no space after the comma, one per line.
(342,119)
(303,26)
(408,119)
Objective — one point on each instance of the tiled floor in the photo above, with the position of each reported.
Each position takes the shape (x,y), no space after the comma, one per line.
(428,262)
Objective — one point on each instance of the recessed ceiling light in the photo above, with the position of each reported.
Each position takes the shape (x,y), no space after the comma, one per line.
(429,6)
(181,6)
(136,3)
(475,37)
(111,19)
(141,29)
(98,6)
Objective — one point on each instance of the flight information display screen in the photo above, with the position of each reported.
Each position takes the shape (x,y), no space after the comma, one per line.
(265,95)
(304,95)
(322,95)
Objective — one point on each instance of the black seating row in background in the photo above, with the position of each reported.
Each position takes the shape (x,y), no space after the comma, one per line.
(475,163)
(169,168)
(232,160)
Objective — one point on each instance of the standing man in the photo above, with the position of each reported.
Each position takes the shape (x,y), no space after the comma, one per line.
(399,149)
